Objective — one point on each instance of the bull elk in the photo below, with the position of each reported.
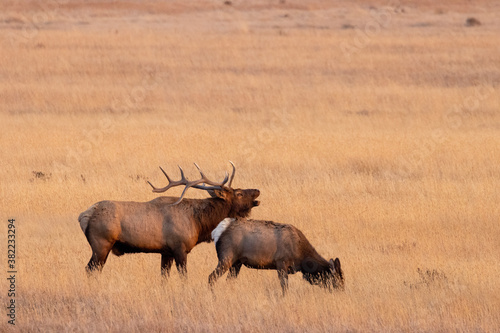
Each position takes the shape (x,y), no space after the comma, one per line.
(170,226)
(270,245)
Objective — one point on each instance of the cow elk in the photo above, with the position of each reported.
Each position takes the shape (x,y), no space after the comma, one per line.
(269,245)
(170,226)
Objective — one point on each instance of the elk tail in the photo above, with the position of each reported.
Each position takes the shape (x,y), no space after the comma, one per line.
(84,217)
(221,228)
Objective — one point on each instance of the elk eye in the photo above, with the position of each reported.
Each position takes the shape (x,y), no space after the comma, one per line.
(239,194)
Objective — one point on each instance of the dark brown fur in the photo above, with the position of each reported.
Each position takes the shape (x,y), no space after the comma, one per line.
(269,245)
(158,227)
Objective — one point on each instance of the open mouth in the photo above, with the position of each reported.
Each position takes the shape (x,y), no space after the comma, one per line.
(256,203)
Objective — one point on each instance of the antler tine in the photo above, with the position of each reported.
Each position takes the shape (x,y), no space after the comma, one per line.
(181,197)
(165,174)
(151,185)
(232,175)
(182,174)
(201,172)
(170,182)
(217,187)
(155,189)
(203,177)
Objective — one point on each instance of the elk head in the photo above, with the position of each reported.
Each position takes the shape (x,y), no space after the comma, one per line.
(240,200)
(330,278)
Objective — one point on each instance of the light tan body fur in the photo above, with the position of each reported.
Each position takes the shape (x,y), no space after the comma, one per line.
(158,227)
(269,245)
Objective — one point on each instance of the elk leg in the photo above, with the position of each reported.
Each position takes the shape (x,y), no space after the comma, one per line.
(234,271)
(283,276)
(100,251)
(221,268)
(180,263)
(166,264)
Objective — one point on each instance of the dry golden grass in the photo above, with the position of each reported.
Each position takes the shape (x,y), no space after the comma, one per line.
(387,157)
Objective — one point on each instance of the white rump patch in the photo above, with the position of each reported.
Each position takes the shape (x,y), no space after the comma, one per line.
(221,228)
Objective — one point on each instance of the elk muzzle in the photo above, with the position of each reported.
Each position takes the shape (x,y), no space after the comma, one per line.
(255,194)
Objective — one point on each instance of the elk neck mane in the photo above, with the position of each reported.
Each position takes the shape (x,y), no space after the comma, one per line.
(318,265)
(208,213)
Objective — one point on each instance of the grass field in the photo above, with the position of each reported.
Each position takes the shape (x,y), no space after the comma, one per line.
(372,126)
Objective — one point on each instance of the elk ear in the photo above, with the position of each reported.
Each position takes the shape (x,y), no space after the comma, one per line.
(336,265)
(212,194)
(332,264)
(220,194)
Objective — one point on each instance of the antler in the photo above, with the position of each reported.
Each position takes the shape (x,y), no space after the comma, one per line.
(232,174)
(188,184)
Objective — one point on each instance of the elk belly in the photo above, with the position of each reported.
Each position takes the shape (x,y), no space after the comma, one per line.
(258,252)
(141,237)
